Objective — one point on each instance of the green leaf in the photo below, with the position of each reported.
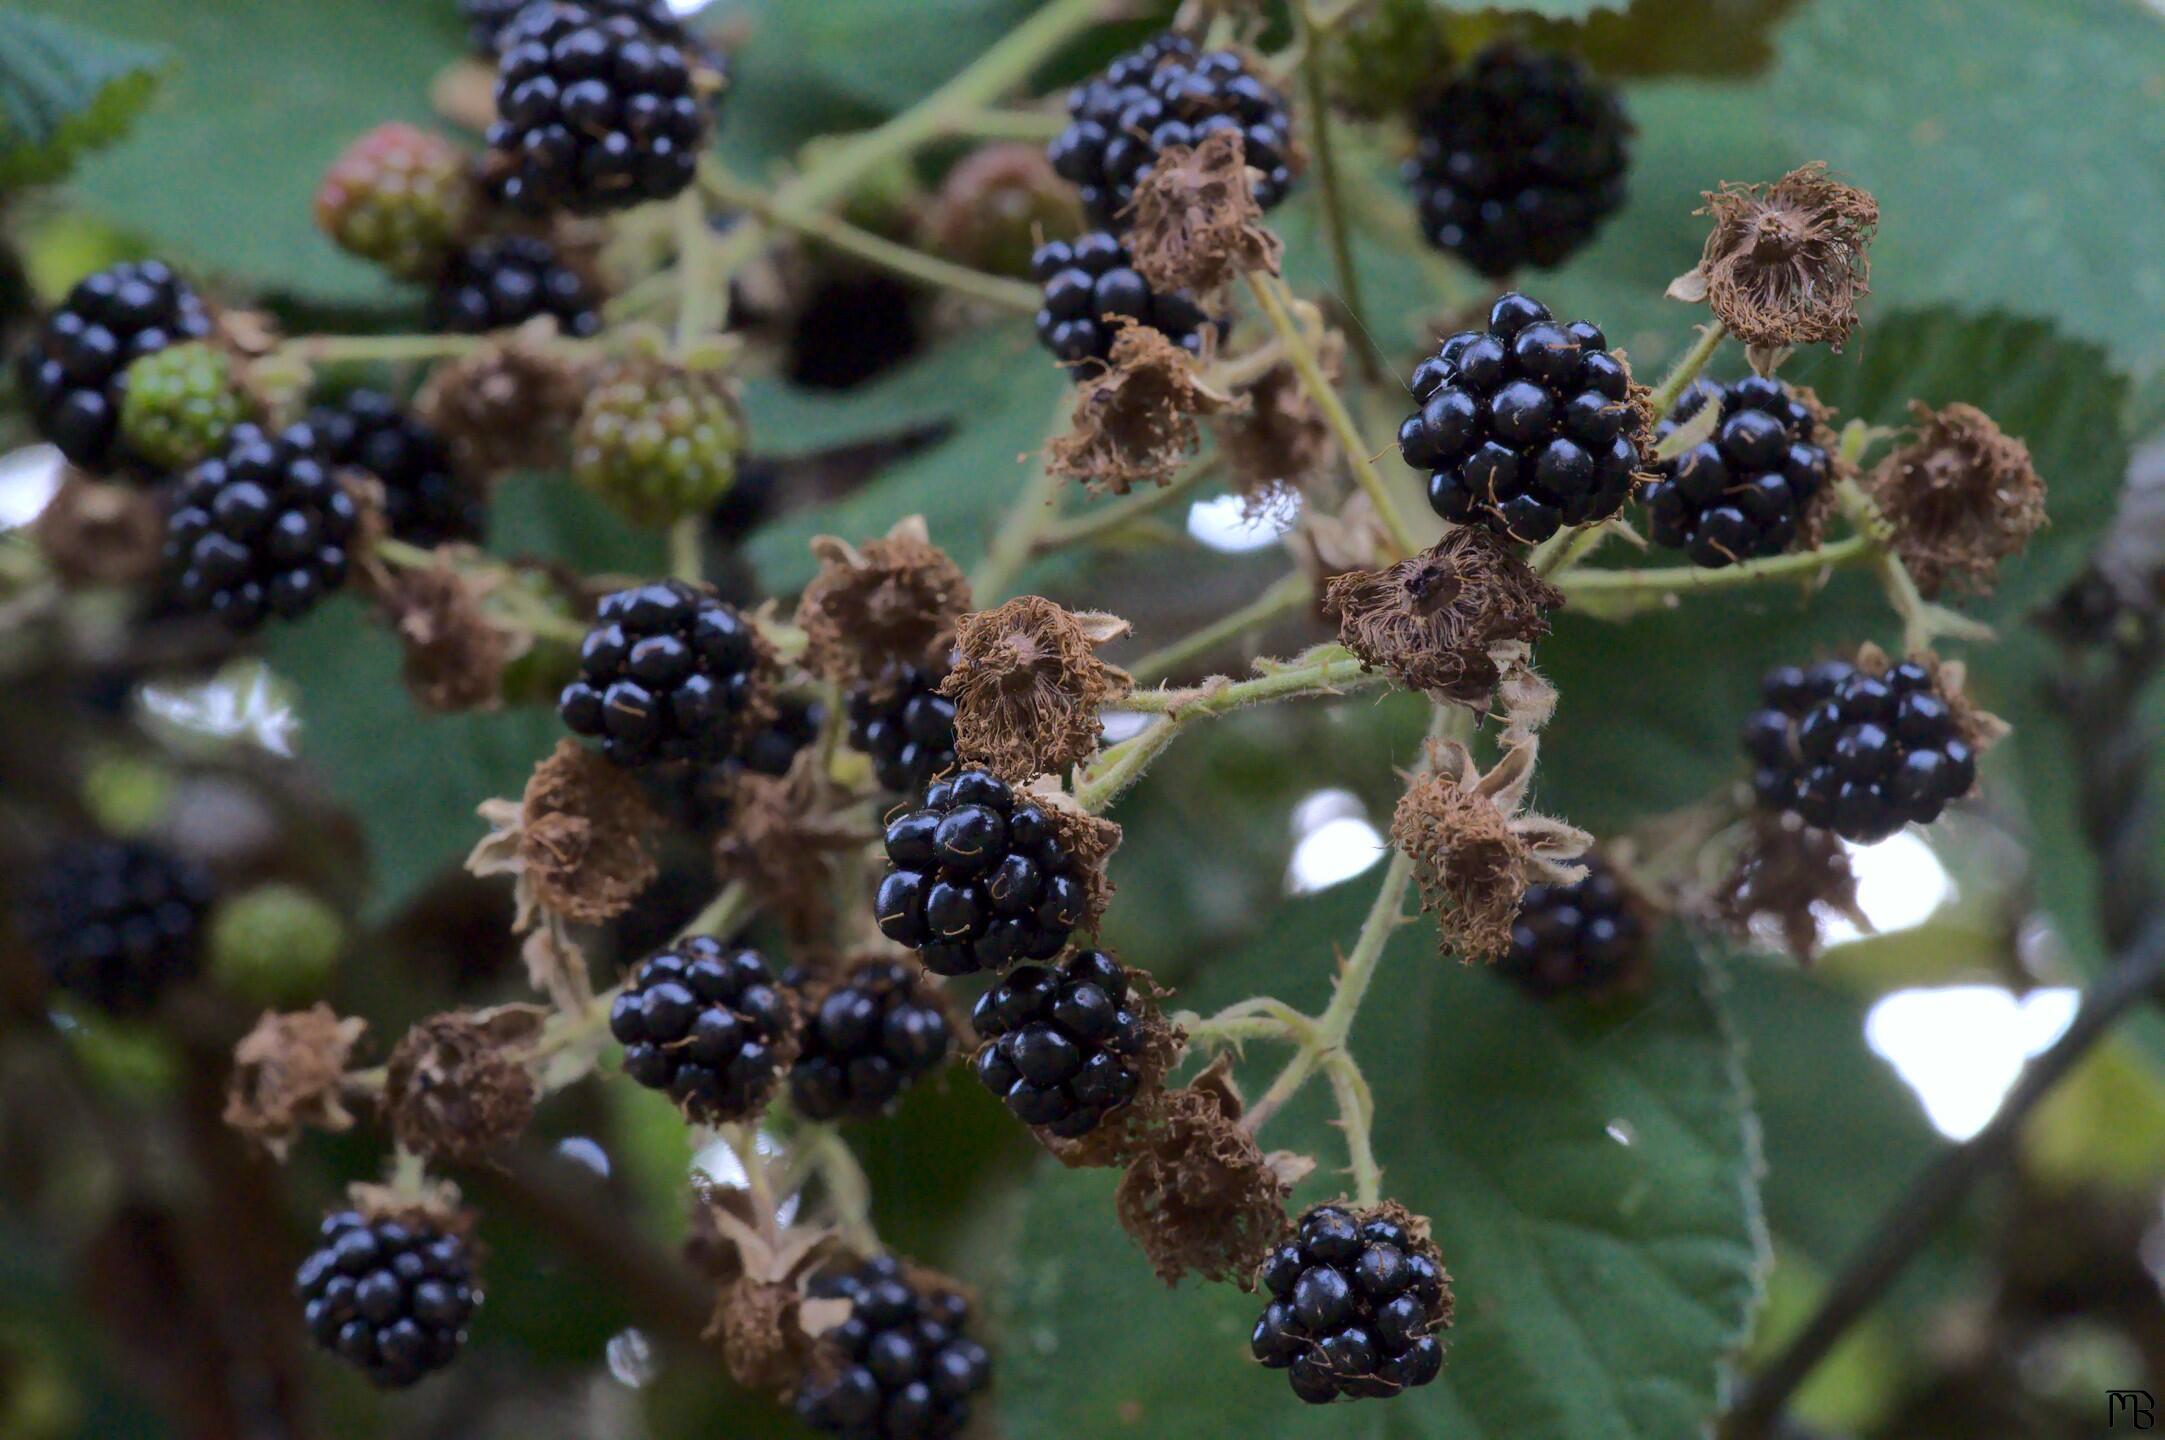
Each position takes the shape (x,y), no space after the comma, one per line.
(64,90)
(1589,1175)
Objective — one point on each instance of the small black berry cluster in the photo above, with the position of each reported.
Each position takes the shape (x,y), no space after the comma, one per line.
(869,1037)
(906,725)
(667,673)
(425,501)
(700,797)
(391,1297)
(503,282)
(1585,938)
(1858,753)
(1518,160)
(976,880)
(1742,492)
(115,922)
(1356,1304)
(597,108)
(1090,281)
(907,1371)
(706,1024)
(1062,1047)
(75,372)
(263,528)
(1158,96)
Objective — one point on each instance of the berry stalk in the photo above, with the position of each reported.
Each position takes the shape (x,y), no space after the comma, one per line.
(1335,229)
(1686,370)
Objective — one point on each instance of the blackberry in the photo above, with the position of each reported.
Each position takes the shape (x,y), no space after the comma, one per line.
(260,529)
(74,376)
(1164,94)
(424,500)
(1586,937)
(1091,279)
(400,197)
(504,282)
(699,796)
(902,1367)
(667,673)
(1357,1301)
(1742,492)
(1518,160)
(597,108)
(393,1297)
(906,725)
(114,922)
(977,880)
(178,404)
(870,1036)
(1061,1046)
(485,20)
(1525,426)
(1857,753)
(708,1025)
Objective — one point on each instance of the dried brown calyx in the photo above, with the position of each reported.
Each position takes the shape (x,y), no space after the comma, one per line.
(452,655)
(892,601)
(1135,421)
(768,1329)
(97,532)
(1474,850)
(1449,621)
(1027,685)
(783,843)
(507,406)
(1786,262)
(575,845)
(1194,224)
(995,203)
(460,1085)
(1785,874)
(289,1073)
(1962,496)
(1280,444)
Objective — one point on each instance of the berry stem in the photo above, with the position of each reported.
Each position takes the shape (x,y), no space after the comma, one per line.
(1125,511)
(1269,292)
(1287,594)
(1036,506)
(1335,229)
(1620,594)
(990,122)
(848,1191)
(687,556)
(1686,370)
(1356,1117)
(701,300)
(722,915)
(332,349)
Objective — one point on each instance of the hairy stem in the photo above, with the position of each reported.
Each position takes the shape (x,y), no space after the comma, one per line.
(1620,594)
(1287,594)
(687,559)
(1687,369)
(1357,1118)
(1335,230)
(701,300)
(1093,524)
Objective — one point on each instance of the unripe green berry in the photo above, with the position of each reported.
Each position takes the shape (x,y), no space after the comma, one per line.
(399,196)
(275,945)
(179,404)
(659,442)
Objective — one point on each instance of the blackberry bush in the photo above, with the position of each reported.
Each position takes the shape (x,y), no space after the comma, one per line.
(1358,1305)
(867,1038)
(902,1367)
(425,501)
(707,1025)
(1525,426)
(1090,283)
(906,726)
(116,922)
(976,879)
(1061,1046)
(74,375)
(1745,491)
(261,529)
(667,673)
(1584,938)
(390,1297)
(504,282)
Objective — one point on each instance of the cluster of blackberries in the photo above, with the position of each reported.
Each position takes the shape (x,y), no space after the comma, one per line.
(977,881)
(1355,1308)
(262,528)
(393,1298)
(425,501)
(906,725)
(486,19)
(1741,492)
(1580,938)
(705,1023)
(905,1371)
(115,922)
(1518,160)
(1526,426)
(1161,95)
(75,373)
(700,796)
(870,1036)
(1858,753)
(597,107)
(667,673)
(1061,1046)
(1091,280)
(503,282)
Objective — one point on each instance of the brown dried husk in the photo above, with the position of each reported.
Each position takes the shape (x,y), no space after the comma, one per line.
(1134,421)
(1962,496)
(1194,224)
(1448,621)
(1028,686)
(1280,445)
(889,602)
(459,1085)
(289,1074)
(582,836)
(97,532)
(782,843)
(1784,871)
(507,406)
(1785,263)
(452,655)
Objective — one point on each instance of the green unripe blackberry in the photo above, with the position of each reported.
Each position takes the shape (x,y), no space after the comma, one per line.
(659,443)
(178,403)
(400,197)
(275,945)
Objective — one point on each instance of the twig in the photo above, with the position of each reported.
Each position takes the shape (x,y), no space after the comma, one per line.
(1286,594)
(1317,105)
(1687,369)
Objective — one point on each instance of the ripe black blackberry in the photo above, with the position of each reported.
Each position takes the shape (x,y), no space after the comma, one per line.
(425,501)
(1742,492)
(503,282)
(1857,753)
(1090,279)
(699,796)
(114,922)
(667,673)
(708,1025)
(977,879)
(1358,1302)
(1586,938)
(1518,161)
(1061,1046)
(902,1368)
(1165,94)
(870,1036)
(1526,426)
(906,725)
(262,528)
(74,375)
(392,1297)
(598,107)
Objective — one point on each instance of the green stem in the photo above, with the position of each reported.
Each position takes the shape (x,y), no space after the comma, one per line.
(1687,369)
(723,914)
(1335,1024)
(1032,126)
(331,349)
(1618,594)
(1335,229)
(687,548)
(1287,594)
(1356,1117)
(1124,511)
(847,1188)
(1033,510)
(700,300)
